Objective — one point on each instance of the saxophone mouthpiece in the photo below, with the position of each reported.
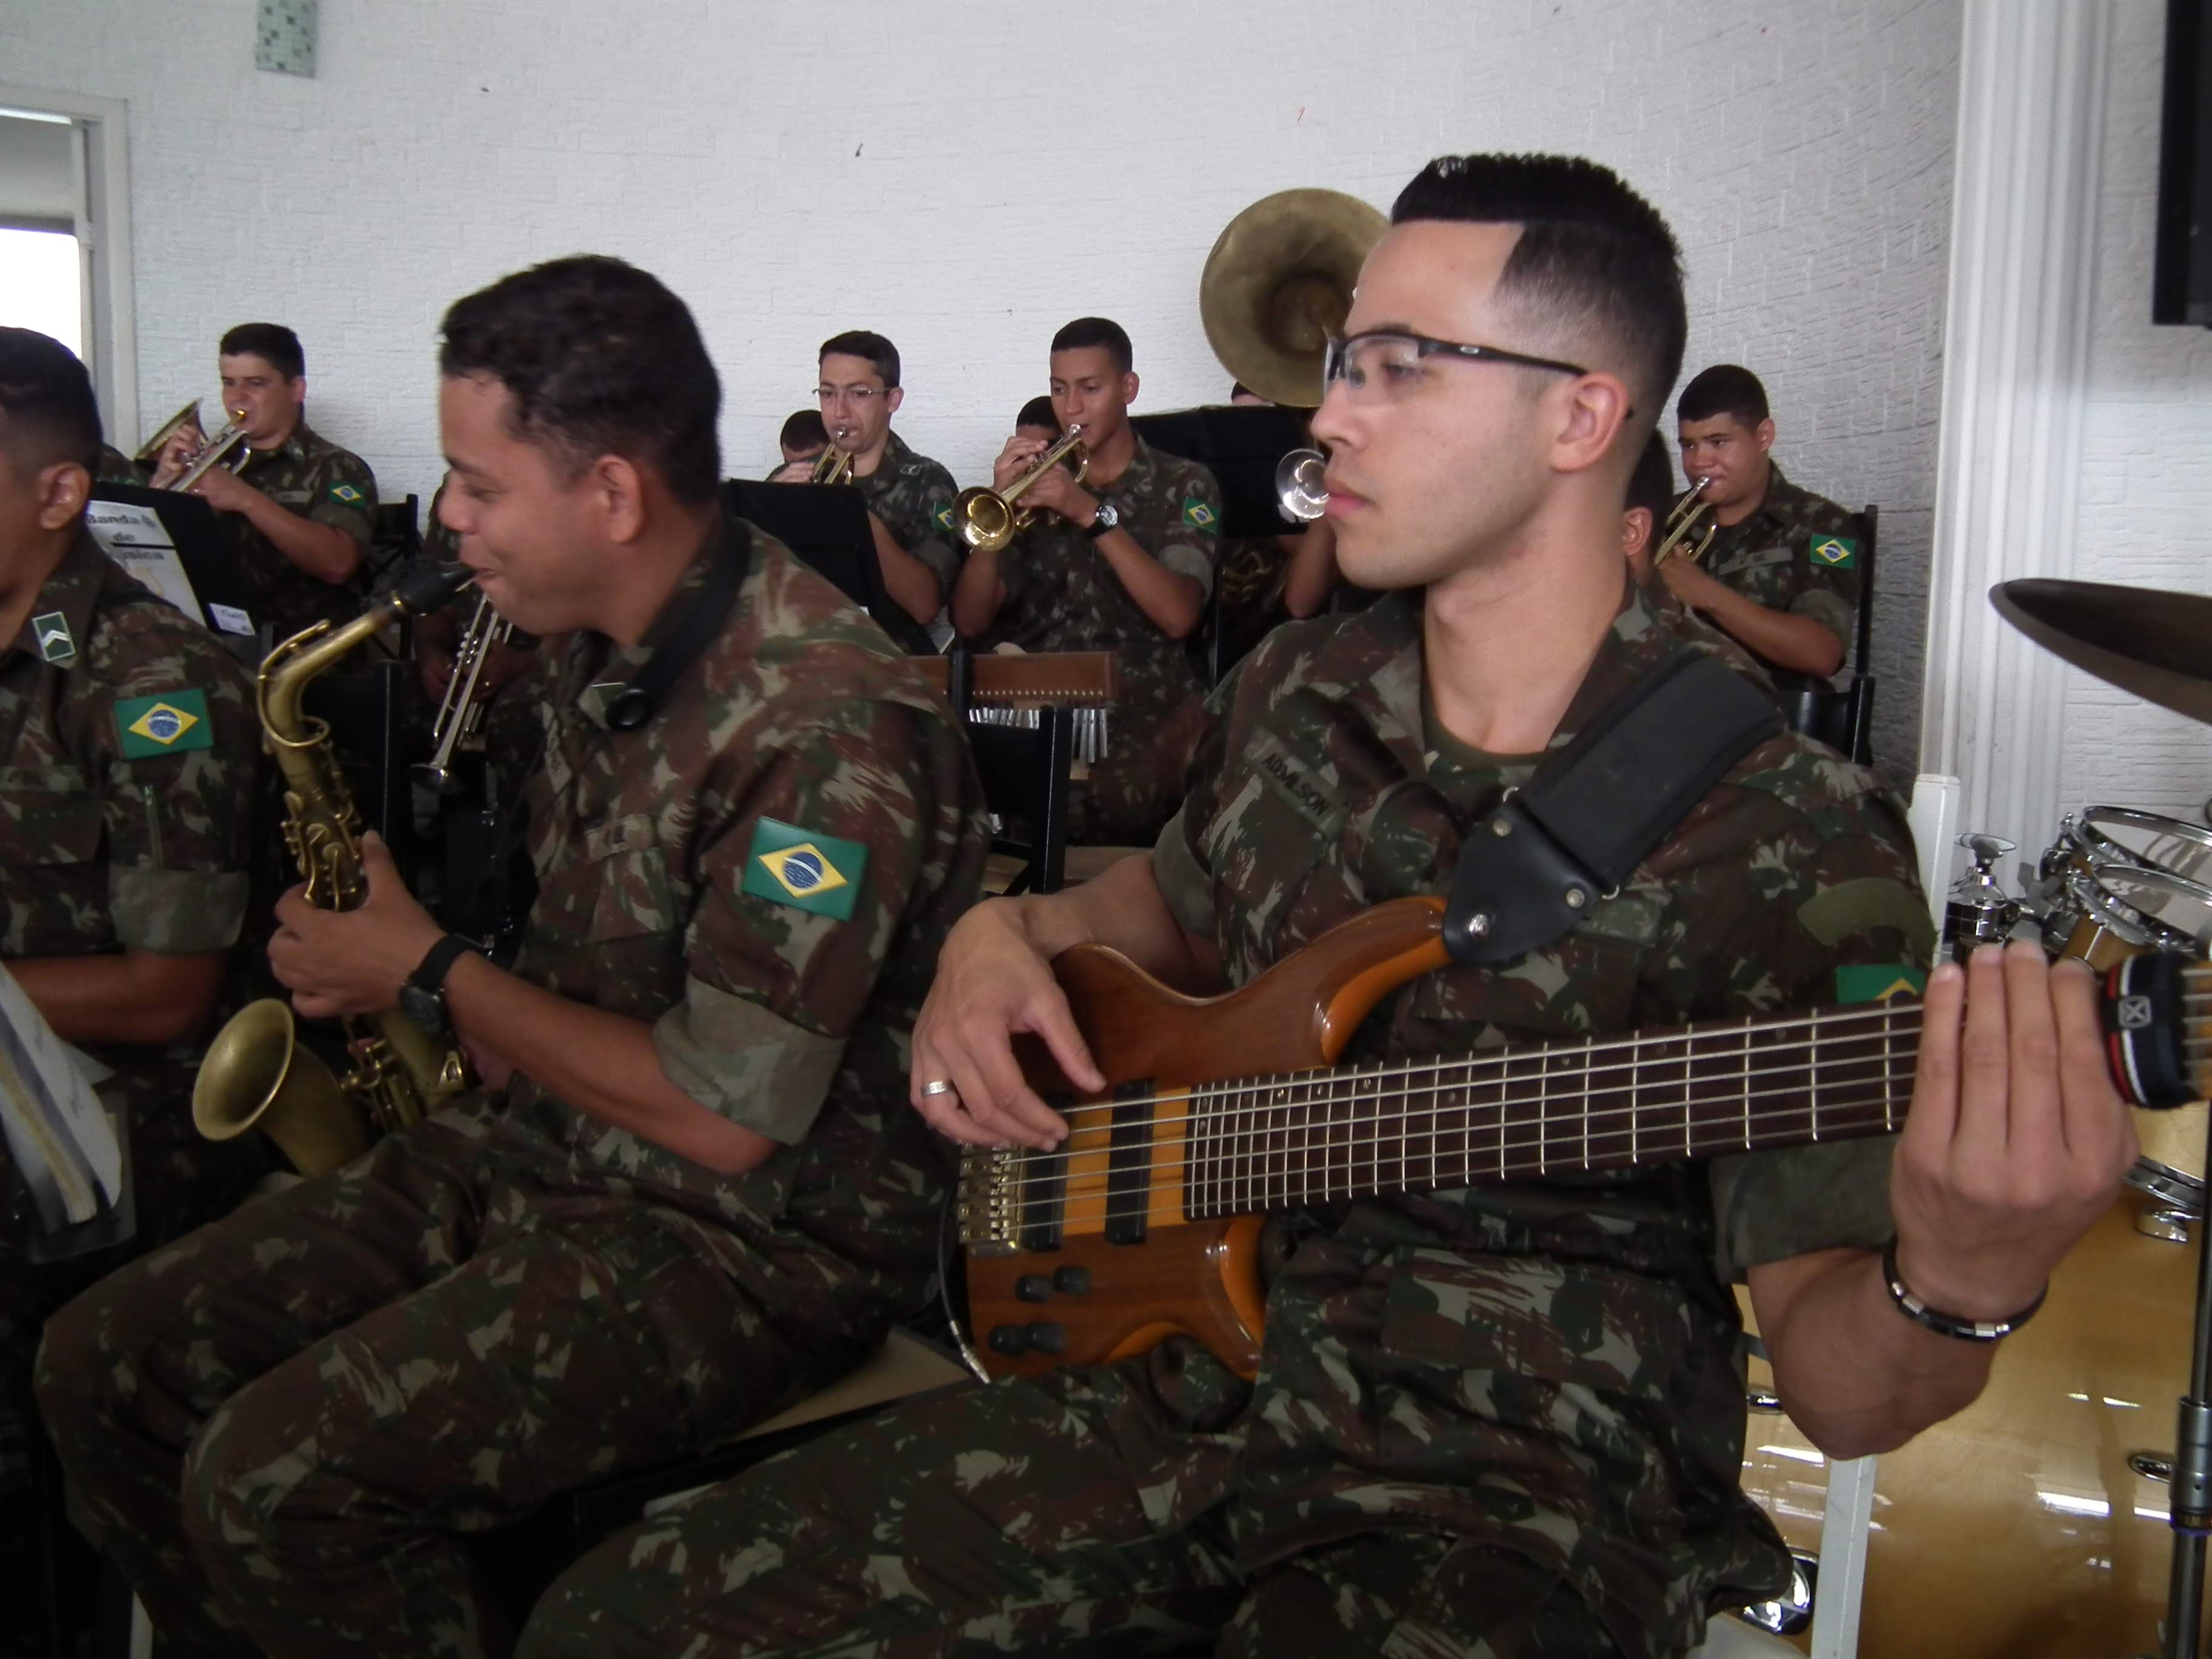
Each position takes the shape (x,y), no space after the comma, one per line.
(425,590)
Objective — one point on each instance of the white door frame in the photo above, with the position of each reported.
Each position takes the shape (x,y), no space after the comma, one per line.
(104,235)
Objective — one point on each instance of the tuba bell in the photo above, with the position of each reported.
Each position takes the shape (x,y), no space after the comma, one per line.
(1279,283)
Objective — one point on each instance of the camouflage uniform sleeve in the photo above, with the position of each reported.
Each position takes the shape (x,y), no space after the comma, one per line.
(1838,891)
(856,811)
(345,497)
(1178,861)
(179,822)
(1828,590)
(1192,546)
(932,539)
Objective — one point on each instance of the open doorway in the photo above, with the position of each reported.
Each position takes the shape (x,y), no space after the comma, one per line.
(65,238)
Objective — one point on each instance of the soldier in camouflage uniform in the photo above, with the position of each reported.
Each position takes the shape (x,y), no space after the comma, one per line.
(1122,562)
(688,1195)
(299,513)
(1495,1421)
(909,496)
(1781,577)
(124,833)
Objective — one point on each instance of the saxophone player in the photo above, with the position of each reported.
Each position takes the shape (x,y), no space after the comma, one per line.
(125,810)
(688,1193)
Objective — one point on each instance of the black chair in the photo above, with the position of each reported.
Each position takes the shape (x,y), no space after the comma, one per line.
(1845,719)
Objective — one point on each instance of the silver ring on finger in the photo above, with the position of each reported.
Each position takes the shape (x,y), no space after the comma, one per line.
(941,1086)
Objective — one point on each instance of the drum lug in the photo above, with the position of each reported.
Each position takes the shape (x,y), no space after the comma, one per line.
(2164,1221)
(1792,1611)
(2152,1465)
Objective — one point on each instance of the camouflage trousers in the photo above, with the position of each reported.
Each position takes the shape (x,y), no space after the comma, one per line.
(346,1380)
(178,1180)
(1133,791)
(1033,1518)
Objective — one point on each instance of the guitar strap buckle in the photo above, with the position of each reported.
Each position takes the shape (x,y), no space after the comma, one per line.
(1596,809)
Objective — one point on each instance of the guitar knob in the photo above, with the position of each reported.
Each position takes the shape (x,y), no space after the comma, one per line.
(1012,1340)
(1033,1287)
(1046,1337)
(1071,1281)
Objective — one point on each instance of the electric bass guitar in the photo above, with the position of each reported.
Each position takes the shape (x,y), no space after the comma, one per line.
(1145,1222)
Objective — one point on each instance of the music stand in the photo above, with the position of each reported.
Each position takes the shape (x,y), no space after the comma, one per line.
(169,540)
(827,527)
(1242,445)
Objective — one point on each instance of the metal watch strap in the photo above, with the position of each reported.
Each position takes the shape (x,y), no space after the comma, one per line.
(1943,1324)
(430,973)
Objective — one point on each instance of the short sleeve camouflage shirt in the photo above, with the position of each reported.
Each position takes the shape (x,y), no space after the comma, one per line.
(310,475)
(1550,1366)
(1798,553)
(913,495)
(126,790)
(764,871)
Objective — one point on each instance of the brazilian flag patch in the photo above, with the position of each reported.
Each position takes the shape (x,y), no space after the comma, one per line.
(1861,983)
(1198,515)
(1837,552)
(167,725)
(344,492)
(804,869)
(944,520)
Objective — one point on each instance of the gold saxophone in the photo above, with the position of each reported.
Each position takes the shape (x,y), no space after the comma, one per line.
(256,1074)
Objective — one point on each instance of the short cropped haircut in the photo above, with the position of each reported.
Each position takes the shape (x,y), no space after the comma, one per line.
(1085,332)
(1651,486)
(47,412)
(804,430)
(273,342)
(600,358)
(1723,389)
(1591,253)
(1039,411)
(882,355)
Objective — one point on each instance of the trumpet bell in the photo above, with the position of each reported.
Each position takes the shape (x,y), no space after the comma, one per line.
(1279,283)
(151,449)
(986,521)
(1300,491)
(256,1075)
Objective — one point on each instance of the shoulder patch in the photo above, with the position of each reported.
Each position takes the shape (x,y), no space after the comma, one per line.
(55,643)
(164,725)
(344,492)
(1861,983)
(1838,552)
(804,869)
(943,519)
(1198,515)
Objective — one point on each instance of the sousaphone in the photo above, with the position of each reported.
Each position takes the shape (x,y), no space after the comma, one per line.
(1279,283)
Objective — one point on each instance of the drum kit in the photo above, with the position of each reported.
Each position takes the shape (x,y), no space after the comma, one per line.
(2080,1507)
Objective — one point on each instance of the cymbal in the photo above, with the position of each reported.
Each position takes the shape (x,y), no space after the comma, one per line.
(2145,640)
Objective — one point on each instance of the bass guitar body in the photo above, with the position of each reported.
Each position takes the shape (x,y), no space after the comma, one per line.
(1108,1246)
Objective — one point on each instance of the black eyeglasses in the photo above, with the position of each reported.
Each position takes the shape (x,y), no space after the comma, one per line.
(1384,363)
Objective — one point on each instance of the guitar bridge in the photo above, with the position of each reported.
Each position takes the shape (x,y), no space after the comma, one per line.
(989,1199)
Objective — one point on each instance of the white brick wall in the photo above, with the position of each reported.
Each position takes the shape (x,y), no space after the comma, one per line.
(968,176)
(2147,455)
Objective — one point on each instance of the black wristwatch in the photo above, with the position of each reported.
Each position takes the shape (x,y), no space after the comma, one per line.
(423,998)
(1107,516)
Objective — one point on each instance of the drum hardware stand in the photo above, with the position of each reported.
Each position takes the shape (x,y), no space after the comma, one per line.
(2192,1468)
(1978,910)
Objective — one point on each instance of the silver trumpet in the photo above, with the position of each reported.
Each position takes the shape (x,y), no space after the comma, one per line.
(1300,489)
(460,711)
(231,437)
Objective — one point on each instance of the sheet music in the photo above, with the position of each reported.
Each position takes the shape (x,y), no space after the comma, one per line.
(135,539)
(62,1142)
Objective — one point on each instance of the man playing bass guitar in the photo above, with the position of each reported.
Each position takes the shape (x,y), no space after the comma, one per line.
(1495,1419)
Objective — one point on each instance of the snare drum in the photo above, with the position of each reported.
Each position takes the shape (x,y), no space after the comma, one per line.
(2122,835)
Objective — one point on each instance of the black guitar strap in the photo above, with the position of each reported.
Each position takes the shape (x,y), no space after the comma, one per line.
(1575,831)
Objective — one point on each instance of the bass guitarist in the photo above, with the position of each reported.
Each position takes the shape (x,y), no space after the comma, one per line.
(1504,1419)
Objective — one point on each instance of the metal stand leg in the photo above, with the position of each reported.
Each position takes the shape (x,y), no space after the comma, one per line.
(1843,1527)
(2192,1468)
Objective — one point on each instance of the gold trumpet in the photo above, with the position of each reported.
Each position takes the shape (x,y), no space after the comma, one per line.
(1682,523)
(834,466)
(461,711)
(150,451)
(988,518)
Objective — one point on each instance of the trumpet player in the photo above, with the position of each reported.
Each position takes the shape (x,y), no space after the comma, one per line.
(1122,561)
(125,812)
(688,1193)
(909,496)
(1781,576)
(298,511)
